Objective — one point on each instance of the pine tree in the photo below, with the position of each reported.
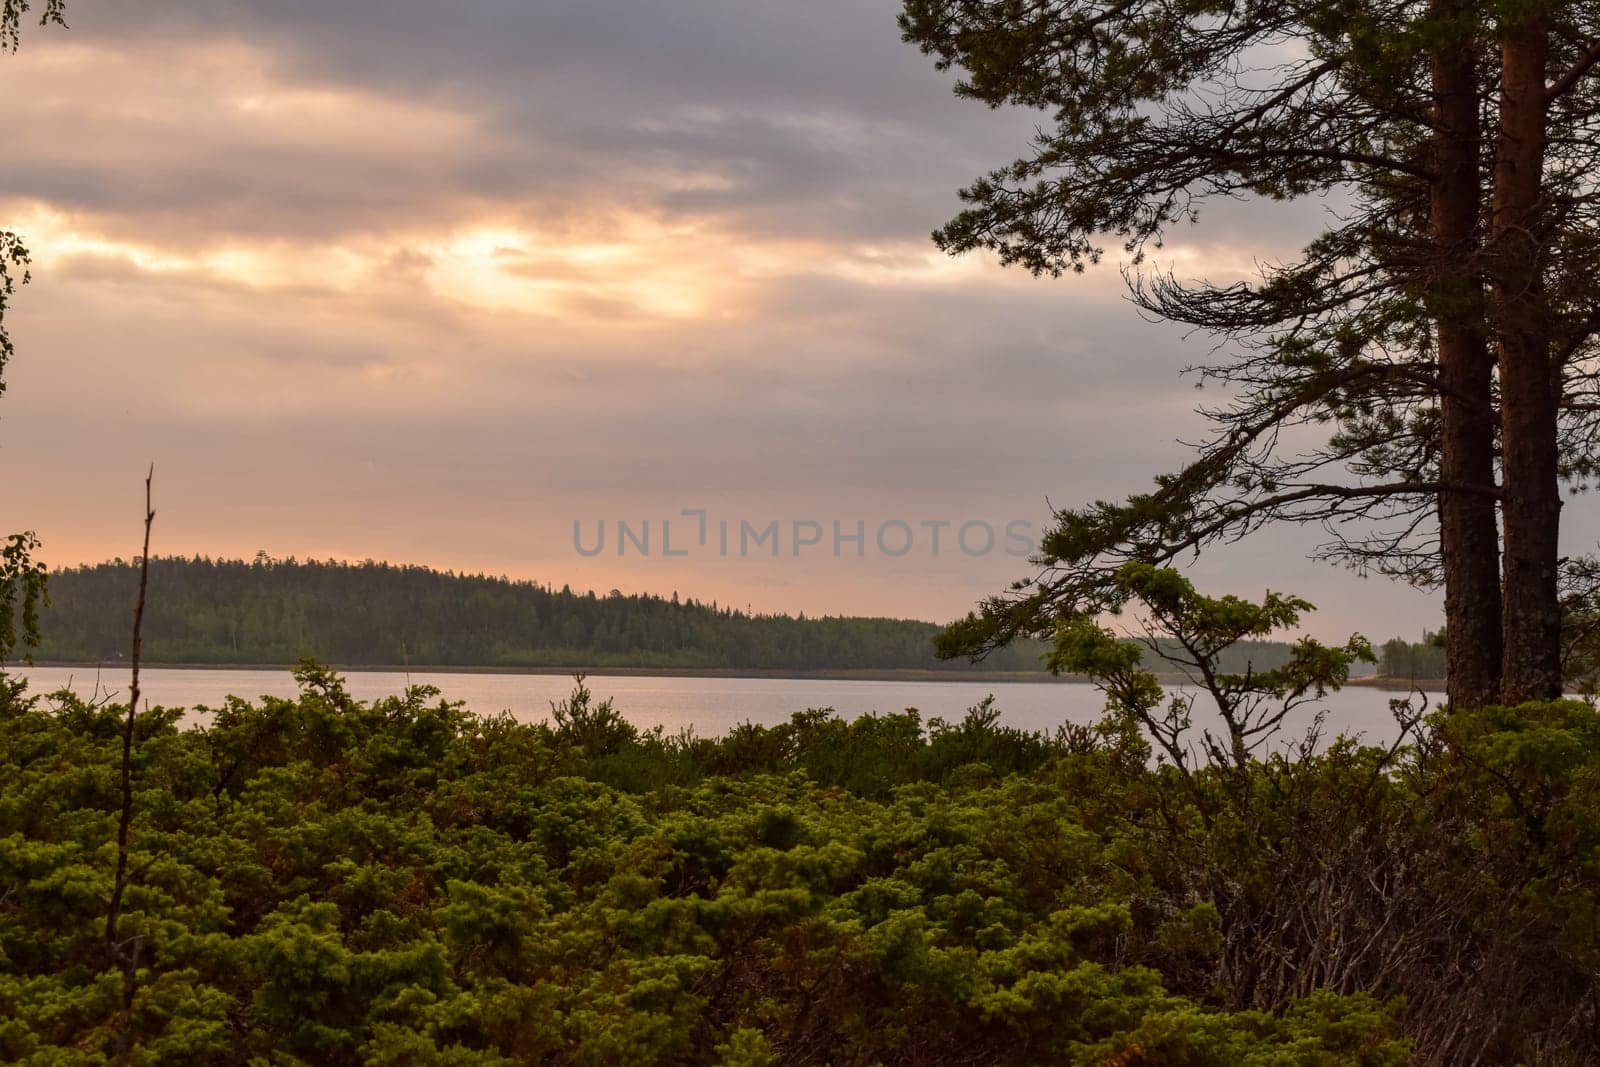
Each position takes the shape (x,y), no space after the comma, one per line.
(1457,137)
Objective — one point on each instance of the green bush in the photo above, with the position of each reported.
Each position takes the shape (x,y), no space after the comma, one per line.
(328,881)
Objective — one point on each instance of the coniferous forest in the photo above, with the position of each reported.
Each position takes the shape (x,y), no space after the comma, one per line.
(279,611)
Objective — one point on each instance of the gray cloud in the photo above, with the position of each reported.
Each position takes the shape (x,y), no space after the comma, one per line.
(834,376)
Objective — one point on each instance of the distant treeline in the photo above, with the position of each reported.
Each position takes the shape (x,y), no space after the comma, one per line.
(276,611)
(1400,658)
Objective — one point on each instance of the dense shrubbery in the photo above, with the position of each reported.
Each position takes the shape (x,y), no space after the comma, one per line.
(327,881)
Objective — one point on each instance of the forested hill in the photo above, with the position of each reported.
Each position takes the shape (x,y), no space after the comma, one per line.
(277,611)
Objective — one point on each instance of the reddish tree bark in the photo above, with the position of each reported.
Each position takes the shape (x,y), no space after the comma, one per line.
(1468,534)
(1529,382)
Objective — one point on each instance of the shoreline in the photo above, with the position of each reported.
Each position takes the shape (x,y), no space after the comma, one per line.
(892,674)
(895,674)
(1399,685)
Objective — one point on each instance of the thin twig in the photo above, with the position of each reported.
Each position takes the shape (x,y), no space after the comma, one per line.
(126,957)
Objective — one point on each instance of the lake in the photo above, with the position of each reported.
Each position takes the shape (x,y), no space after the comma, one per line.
(709,705)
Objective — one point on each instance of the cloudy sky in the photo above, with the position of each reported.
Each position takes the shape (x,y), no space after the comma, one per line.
(434,282)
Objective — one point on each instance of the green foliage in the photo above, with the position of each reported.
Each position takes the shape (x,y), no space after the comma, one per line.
(1191,633)
(24,589)
(1399,658)
(278,611)
(597,729)
(1339,358)
(14,256)
(323,880)
(14,260)
(22,579)
(11,18)
(1580,624)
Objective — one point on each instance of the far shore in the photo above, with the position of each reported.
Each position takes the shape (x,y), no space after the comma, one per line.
(888,675)
(1410,685)
(865,675)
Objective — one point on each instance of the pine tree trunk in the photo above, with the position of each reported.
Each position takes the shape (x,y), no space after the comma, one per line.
(1528,383)
(1469,539)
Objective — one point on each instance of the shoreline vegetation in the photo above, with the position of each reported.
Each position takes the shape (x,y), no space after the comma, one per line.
(324,879)
(1043,677)
(271,613)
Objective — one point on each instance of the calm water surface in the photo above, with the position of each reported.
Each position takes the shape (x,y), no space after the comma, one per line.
(709,705)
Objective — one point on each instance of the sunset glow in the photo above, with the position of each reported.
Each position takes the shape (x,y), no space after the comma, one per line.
(329,287)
